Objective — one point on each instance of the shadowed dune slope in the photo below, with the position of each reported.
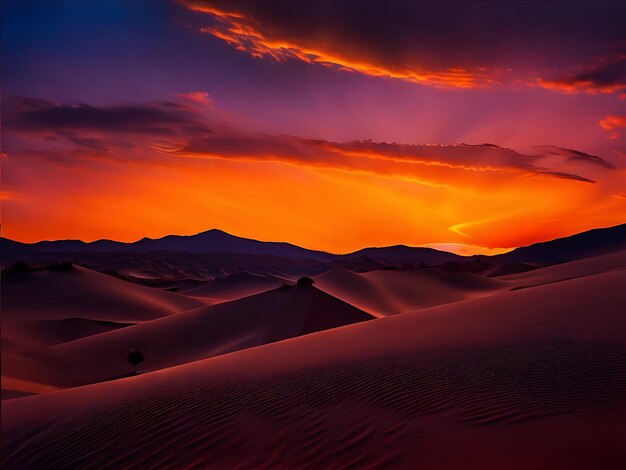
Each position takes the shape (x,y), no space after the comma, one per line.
(388,292)
(263,318)
(235,286)
(509,268)
(50,332)
(82,293)
(44,308)
(534,378)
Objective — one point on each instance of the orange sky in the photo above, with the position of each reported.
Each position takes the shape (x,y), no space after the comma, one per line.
(318,206)
(329,125)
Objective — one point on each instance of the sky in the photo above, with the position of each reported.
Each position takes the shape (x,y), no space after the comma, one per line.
(472,126)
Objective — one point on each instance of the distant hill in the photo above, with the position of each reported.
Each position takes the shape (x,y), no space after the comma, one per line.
(402,254)
(595,242)
(216,242)
(212,241)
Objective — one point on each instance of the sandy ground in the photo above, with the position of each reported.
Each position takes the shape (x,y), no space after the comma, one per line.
(521,371)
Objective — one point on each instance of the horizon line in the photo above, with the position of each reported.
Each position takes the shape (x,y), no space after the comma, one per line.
(438,246)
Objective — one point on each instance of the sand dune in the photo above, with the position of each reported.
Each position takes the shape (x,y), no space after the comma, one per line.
(82,293)
(44,308)
(181,266)
(504,269)
(389,292)
(15,388)
(267,317)
(235,286)
(564,271)
(534,378)
(50,332)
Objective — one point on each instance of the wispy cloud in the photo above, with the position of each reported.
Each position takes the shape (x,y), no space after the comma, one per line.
(174,129)
(167,117)
(431,43)
(608,75)
(613,123)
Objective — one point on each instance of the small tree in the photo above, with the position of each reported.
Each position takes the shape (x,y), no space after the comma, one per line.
(135,357)
(305,281)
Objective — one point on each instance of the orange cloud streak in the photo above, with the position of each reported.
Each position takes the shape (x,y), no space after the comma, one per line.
(245,35)
(607,75)
(578,86)
(613,122)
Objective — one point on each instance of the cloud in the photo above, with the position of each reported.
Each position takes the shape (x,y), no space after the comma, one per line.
(118,131)
(436,162)
(198,97)
(165,131)
(575,156)
(607,76)
(444,44)
(613,123)
(165,118)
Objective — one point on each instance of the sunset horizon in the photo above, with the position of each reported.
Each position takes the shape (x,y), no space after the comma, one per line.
(479,148)
(461,249)
(313,234)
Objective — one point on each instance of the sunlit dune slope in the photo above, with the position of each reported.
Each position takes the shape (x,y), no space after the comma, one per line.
(564,271)
(529,378)
(388,292)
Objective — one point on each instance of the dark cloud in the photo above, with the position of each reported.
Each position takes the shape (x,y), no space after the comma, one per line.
(155,132)
(440,43)
(608,76)
(164,118)
(392,158)
(576,156)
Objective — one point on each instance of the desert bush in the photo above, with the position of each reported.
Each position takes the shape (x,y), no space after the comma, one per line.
(305,281)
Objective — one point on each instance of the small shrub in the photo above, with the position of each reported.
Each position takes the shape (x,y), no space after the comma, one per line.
(305,281)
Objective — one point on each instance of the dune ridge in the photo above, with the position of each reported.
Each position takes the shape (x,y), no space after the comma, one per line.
(386,292)
(83,293)
(196,334)
(235,286)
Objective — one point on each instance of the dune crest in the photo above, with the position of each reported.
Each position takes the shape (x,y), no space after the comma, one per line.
(386,292)
(271,316)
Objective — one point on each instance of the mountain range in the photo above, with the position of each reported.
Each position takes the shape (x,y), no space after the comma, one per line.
(591,243)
